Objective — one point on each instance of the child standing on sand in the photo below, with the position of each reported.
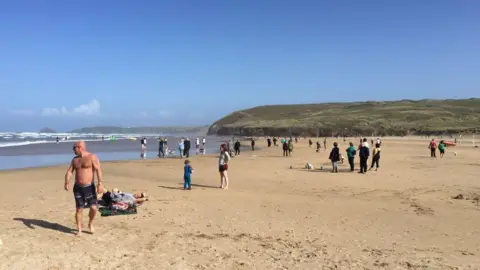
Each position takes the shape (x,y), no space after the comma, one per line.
(376,157)
(187,172)
(335,157)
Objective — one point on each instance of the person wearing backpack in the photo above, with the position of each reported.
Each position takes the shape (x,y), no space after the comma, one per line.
(335,157)
(351,152)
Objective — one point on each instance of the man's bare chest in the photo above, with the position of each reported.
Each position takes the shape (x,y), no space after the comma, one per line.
(82,163)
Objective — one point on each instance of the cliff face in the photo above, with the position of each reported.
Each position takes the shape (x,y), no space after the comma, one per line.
(394,118)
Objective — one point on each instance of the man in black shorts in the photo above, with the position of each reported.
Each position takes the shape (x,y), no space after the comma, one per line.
(85,165)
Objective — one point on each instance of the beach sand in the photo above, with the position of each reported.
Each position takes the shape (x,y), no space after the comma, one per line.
(272,217)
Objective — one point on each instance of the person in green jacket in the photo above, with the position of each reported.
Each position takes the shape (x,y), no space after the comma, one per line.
(351,152)
(441,147)
(290,147)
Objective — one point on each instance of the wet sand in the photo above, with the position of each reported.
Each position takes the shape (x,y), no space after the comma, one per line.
(272,217)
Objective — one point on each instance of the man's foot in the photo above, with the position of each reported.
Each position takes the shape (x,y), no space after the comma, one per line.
(225,187)
(91,228)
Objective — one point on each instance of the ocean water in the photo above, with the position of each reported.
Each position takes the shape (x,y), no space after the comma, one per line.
(24,150)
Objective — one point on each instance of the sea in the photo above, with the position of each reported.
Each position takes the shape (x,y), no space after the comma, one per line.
(29,149)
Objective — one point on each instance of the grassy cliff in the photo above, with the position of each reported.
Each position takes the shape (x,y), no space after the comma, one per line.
(395,118)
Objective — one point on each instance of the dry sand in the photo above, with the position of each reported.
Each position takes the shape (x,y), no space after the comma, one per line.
(272,217)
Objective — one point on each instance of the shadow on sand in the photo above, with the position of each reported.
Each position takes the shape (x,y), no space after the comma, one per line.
(346,170)
(46,225)
(176,188)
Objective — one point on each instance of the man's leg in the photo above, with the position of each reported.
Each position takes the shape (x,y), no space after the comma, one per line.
(91,216)
(79,220)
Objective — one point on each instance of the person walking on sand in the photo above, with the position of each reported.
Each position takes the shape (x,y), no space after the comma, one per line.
(318,146)
(376,157)
(335,157)
(269,142)
(285,149)
(181,147)
(290,147)
(441,147)
(237,148)
(161,151)
(187,145)
(364,153)
(253,144)
(197,146)
(187,178)
(351,152)
(85,165)
(433,148)
(325,144)
(275,141)
(223,166)
(310,142)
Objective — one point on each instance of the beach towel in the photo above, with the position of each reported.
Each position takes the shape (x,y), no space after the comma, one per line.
(106,211)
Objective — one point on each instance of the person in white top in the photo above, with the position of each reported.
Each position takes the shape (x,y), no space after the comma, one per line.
(223,166)
(365,143)
(197,146)
(378,141)
(204,141)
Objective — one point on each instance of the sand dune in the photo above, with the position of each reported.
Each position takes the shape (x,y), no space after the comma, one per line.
(272,217)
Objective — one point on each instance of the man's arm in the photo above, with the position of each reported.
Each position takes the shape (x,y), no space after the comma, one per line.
(97,168)
(69,174)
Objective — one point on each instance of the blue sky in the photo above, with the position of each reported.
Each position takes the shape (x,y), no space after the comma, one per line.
(67,64)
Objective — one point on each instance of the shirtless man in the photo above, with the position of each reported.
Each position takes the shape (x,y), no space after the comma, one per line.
(84,164)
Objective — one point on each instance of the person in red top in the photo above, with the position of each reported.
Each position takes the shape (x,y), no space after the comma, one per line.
(433,148)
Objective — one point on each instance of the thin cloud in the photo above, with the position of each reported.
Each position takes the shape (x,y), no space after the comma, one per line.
(91,108)
(165,114)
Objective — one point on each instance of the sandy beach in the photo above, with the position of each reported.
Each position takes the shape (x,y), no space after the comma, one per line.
(272,216)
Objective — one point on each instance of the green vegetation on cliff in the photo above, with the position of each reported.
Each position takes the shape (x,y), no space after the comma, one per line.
(141,130)
(355,118)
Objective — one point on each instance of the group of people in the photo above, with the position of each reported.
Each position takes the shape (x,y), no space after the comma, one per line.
(184,146)
(442,146)
(363,153)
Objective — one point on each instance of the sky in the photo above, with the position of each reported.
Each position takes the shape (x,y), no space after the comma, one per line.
(70,64)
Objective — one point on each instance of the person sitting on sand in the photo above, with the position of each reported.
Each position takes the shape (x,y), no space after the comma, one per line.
(223,166)
(116,195)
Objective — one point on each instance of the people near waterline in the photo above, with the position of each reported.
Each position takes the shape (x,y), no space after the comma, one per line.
(204,141)
(223,166)
(58,139)
(351,152)
(236,147)
(290,147)
(310,142)
(181,147)
(197,146)
(433,148)
(269,142)
(376,157)
(187,175)
(318,146)
(187,146)
(275,141)
(143,143)
(296,139)
(364,153)
(335,157)
(285,149)
(161,150)
(252,143)
(441,147)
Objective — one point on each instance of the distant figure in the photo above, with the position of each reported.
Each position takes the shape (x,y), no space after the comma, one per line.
(186,150)
(103,138)
(433,148)
(318,146)
(237,148)
(58,139)
(86,166)
(143,143)
(371,141)
(275,141)
(285,149)
(223,166)
(364,153)
(376,157)
(441,148)
(351,152)
(296,139)
(335,157)
(269,142)
(379,142)
(310,142)
(325,144)
(253,144)
(204,142)
(290,147)
(161,150)
(181,147)
(187,172)
(197,146)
